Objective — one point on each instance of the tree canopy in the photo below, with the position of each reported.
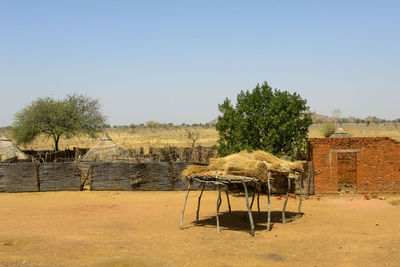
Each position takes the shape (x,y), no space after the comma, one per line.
(76,114)
(264,119)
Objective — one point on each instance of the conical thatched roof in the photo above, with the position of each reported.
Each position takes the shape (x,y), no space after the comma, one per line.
(106,150)
(8,150)
(340,133)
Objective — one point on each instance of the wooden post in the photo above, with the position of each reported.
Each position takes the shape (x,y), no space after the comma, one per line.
(198,202)
(284,204)
(301,196)
(219,196)
(184,204)
(269,204)
(310,177)
(248,209)
(252,198)
(229,203)
(170,174)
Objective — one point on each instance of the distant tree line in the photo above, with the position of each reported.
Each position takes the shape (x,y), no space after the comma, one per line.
(373,120)
(158,125)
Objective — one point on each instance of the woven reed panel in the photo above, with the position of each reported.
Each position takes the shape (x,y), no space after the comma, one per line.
(3,185)
(111,176)
(151,176)
(21,177)
(62,176)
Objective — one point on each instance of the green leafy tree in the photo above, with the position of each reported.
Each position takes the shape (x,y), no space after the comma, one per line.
(270,120)
(74,115)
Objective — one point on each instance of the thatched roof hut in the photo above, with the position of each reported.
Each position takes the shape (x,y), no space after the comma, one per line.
(8,150)
(106,150)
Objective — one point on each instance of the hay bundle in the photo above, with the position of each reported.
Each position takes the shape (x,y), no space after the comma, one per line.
(264,156)
(243,166)
(255,164)
(206,171)
(194,169)
(277,164)
(288,166)
(219,163)
(236,165)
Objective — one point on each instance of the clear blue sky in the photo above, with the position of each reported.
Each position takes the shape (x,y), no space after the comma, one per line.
(175,61)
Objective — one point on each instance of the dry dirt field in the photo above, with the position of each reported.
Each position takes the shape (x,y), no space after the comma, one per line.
(142,229)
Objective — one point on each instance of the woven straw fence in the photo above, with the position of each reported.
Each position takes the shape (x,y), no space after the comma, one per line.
(19,177)
(124,176)
(110,176)
(63,176)
(144,176)
(3,185)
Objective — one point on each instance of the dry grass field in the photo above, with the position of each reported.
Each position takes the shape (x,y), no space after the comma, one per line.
(177,136)
(134,138)
(142,229)
(363,130)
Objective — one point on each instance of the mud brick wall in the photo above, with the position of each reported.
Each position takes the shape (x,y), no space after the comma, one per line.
(63,176)
(372,164)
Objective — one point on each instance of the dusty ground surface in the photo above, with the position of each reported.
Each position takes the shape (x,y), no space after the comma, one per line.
(142,229)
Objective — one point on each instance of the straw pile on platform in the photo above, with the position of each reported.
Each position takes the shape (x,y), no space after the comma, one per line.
(244,164)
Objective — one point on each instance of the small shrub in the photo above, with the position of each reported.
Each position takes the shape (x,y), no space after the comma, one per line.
(395,202)
(328,129)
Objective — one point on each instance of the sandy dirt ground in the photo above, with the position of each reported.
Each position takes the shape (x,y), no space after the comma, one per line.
(142,229)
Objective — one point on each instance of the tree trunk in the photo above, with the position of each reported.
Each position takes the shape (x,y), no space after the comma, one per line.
(56,139)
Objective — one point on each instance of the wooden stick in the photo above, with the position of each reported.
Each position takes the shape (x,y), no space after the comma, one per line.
(229,203)
(221,179)
(248,209)
(219,196)
(258,203)
(284,204)
(219,202)
(198,202)
(252,199)
(269,206)
(301,196)
(308,179)
(184,205)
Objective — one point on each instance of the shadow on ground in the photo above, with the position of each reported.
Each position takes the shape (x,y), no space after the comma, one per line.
(238,220)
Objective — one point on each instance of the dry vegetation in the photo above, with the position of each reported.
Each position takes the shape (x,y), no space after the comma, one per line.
(178,136)
(363,130)
(132,138)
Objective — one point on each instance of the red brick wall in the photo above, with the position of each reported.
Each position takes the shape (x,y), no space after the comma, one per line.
(377,168)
